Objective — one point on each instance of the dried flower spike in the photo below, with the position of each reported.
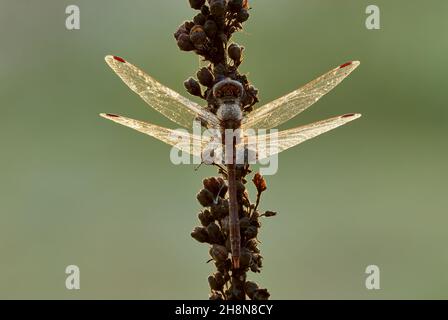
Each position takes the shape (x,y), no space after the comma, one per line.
(259,183)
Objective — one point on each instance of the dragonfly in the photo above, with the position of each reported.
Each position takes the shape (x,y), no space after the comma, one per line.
(229,116)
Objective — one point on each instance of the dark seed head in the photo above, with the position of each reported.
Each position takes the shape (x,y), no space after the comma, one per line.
(252,245)
(181,30)
(243,15)
(250,288)
(197,35)
(236,5)
(212,283)
(215,185)
(197,4)
(205,10)
(220,210)
(214,233)
(205,77)
(205,198)
(200,234)
(217,7)
(193,87)
(210,28)
(261,294)
(205,217)
(184,43)
(199,19)
(216,281)
(217,296)
(270,214)
(219,278)
(245,223)
(259,182)
(245,258)
(235,52)
(219,253)
(251,232)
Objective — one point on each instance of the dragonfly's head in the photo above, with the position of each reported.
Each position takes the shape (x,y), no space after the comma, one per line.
(228,90)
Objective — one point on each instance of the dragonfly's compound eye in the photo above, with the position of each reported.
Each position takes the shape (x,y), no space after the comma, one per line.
(228,89)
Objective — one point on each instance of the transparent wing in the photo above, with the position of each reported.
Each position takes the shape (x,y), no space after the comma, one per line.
(265,146)
(281,110)
(168,102)
(181,139)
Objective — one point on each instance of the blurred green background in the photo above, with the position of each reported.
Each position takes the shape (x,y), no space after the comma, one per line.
(77,189)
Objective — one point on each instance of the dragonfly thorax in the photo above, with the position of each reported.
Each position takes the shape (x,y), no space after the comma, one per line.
(230,115)
(228,94)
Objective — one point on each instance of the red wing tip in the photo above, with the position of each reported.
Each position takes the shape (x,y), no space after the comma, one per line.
(351,115)
(342,66)
(119,59)
(110,115)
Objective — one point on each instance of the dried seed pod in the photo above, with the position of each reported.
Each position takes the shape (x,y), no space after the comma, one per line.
(219,253)
(205,217)
(210,28)
(214,233)
(181,30)
(217,7)
(184,43)
(258,259)
(235,52)
(236,5)
(252,245)
(251,232)
(259,182)
(197,35)
(245,223)
(237,292)
(261,294)
(250,287)
(220,210)
(213,284)
(223,266)
(245,258)
(199,19)
(214,185)
(270,214)
(255,222)
(243,15)
(216,296)
(197,4)
(205,198)
(188,25)
(200,234)
(216,281)
(205,10)
(219,279)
